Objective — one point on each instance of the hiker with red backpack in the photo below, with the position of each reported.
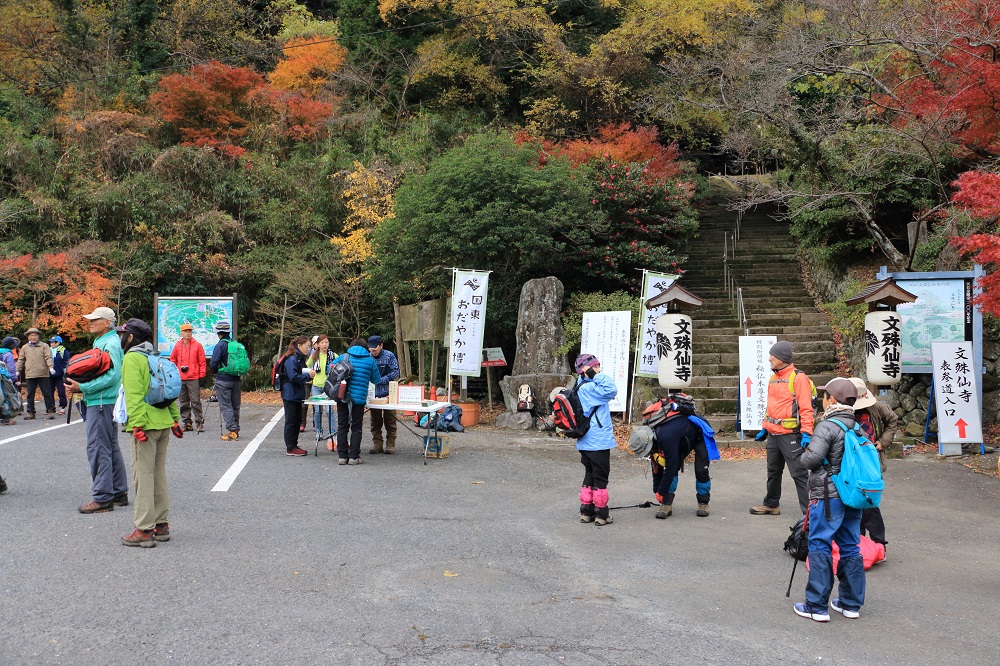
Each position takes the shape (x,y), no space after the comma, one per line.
(831,520)
(595,390)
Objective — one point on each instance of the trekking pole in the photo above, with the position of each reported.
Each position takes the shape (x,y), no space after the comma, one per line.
(788,592)
(69,411)
(644,505)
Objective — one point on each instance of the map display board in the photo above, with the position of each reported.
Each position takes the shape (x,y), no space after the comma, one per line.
(606,336)
(943,313)
(202,312)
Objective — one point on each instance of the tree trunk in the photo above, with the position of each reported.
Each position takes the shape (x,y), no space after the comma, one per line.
(897,258)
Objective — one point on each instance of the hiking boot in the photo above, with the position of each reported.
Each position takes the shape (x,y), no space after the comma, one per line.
(296,452)
(586,513)
(121,499)
(604,520)
(849,614)
(139,538)
(50,415)
(664,511)
(376,449)
(342,461)
(356,461)
(97,507)
(29,416)
(199,427)
(162,532)
(765,510)
(3,485)
(390,448)
(188,426)
(702,511)
(231,436)
(803,611)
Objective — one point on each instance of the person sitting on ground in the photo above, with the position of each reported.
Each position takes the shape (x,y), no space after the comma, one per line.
(596,390)
(879,423)
(787,427)
(676,437)
(295,375)
(60,357)
(830,520)
(350,416)
(35,365)
(151,427)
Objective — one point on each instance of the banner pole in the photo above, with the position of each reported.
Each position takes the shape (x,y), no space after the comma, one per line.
(638,337)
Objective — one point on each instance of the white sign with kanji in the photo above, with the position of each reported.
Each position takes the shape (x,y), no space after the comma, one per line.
(606,336)
(652,285)
(755,373)
(468,318)
(956,393)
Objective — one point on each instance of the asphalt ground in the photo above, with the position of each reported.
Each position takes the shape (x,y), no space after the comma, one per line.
(475,559)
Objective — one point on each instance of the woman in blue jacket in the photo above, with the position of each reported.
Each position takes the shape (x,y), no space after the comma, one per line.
(351,415)
(596,390)
(295,376)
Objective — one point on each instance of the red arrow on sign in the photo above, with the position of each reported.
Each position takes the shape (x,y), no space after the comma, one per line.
(749,383)
(961,427)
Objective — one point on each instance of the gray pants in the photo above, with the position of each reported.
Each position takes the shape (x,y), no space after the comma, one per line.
(228,393)
(190,400)
(107,466)
(785,450)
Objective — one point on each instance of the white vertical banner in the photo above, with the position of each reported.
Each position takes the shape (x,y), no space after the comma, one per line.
(646,359)
(956,395)
(606,336)
(883,346)
(755,373)
(674,351)
(468,322)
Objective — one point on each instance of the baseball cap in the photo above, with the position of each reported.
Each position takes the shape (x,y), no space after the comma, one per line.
(136,327)
(101,313)
(840,389)
(56,338)
(187,327)
(374,341)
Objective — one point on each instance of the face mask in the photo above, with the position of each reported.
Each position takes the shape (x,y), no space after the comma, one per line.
(591,373)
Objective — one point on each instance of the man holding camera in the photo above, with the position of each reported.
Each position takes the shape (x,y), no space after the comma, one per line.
(189,356)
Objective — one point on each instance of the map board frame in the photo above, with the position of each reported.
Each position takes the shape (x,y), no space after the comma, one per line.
(164,345)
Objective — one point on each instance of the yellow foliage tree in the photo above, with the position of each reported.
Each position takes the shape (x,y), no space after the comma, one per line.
(369,196)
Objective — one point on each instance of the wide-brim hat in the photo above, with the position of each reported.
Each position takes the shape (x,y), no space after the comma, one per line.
(640,443)
(865,397)
(32,330)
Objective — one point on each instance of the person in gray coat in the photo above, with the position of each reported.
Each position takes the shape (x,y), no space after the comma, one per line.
(830,520)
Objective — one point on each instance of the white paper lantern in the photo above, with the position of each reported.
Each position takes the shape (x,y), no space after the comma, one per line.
(883,347)
(673,350)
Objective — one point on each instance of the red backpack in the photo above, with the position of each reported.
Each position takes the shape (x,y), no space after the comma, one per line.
(88,366)
(568,415)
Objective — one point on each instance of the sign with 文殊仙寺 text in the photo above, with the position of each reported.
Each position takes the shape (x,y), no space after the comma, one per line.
(956,394)
(646,363)
(606,336)
(468,319)
(755,373)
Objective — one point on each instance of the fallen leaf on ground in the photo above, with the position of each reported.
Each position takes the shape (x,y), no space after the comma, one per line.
(450,574)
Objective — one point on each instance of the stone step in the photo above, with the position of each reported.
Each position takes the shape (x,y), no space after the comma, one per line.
(731,346)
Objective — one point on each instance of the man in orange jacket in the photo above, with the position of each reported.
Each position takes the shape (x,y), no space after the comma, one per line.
(189,357)
(787,427)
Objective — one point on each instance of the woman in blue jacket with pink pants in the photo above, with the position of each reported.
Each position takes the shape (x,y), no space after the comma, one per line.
(595,392)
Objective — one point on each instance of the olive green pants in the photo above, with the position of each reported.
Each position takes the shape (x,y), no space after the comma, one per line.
(149,479)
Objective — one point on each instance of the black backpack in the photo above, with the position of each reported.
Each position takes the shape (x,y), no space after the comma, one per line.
(335,387)
(797,543)
(567,413)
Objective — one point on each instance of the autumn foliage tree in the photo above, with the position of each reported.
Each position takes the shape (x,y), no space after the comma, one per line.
(307,64)
(978,195)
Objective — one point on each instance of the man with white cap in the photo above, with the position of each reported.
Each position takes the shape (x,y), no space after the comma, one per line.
(35,365)
(229,360)
(787,427)
(107,466)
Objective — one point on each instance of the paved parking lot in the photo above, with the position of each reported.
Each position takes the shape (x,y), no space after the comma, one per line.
(476,559)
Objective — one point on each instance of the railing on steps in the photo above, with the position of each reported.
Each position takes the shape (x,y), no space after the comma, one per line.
(733,289)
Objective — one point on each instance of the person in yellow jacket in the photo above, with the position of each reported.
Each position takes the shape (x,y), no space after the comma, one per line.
(151,427)
(787,428)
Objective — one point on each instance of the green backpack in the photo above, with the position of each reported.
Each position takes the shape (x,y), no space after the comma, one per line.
(238,363)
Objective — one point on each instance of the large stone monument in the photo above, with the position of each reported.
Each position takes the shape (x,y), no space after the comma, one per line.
(537,362)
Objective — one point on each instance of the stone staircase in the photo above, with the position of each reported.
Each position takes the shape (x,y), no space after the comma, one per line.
(775,299)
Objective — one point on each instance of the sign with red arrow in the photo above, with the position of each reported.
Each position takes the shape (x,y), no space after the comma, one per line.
(956,395)
(755,372)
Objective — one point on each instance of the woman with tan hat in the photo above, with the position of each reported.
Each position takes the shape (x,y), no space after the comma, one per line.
(35,366)
(879,423)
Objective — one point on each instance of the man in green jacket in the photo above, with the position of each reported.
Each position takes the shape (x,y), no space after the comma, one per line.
(107,467)
(151,427)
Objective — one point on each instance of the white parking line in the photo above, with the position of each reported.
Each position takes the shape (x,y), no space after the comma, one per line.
(227,479)
(39,432)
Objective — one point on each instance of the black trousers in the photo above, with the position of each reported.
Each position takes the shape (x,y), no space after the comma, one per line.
(293,418)
(785,450)
(674,454)
(349,416)
(872,523)
(597,468)
(56,385)
(35,383)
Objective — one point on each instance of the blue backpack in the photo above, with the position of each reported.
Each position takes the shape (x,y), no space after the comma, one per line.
(859,483)
(164,380)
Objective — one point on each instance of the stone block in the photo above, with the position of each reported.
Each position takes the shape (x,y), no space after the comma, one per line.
(539,329)
(516,421)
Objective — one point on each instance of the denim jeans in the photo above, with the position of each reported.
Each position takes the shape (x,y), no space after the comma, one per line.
(844,527)
(318,412)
